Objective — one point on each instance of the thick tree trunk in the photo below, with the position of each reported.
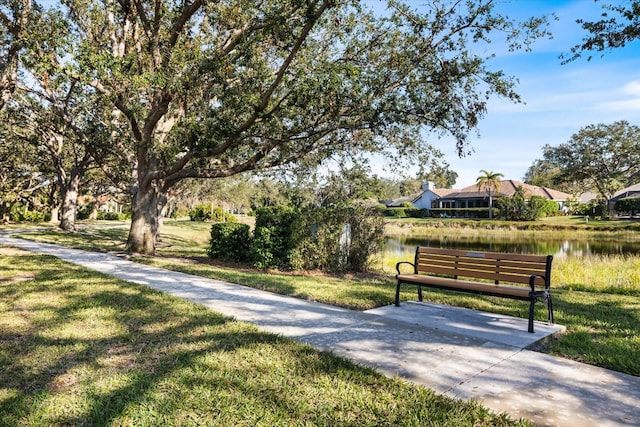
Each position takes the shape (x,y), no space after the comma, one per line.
(55,213)
(70,204)
(5,209)
(144,221)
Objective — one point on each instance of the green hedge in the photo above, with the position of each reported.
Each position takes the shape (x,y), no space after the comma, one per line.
(461,212)
(406,212)
(337,240)
(29,216)
(630,205)
(275,237)
(395,213)
(230,241)
(112,216)
(204,212)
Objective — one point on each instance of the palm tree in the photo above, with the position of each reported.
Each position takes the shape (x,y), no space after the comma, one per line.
(490,181)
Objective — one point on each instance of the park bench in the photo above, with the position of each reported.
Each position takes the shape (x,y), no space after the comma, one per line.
(481,273)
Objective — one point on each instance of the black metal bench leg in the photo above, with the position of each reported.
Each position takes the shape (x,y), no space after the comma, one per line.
(550,309)
(420,293)
(398,294)
(531,304)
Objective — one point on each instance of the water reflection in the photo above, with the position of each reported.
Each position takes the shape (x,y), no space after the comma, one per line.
(558,248)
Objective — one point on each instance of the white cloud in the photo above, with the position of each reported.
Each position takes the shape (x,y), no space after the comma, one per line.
(629,106)
(632,88)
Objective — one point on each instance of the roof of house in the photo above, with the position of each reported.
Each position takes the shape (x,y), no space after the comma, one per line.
(508,188)
(588,196)
(440,192)
(632,191)
(396,203)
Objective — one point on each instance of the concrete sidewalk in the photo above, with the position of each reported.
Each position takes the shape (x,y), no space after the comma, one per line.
(462,353)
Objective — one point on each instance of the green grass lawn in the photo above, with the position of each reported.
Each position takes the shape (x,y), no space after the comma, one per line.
(597,299)
(556,225)
(81,348)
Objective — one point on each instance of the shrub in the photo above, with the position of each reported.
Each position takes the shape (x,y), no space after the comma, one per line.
(112,216)
(367,237)
(517,208)
(33,216)
(395,213)
(543,207)
(219,215)
(84,211)
(417,213)
(629,205)
(230,241)
(20,214)
(328,239)
(274,237)
(593,208)
(339,239)
(200,212)
(204,212)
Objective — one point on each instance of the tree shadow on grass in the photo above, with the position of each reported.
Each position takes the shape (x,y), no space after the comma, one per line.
(138,333)
(90,350)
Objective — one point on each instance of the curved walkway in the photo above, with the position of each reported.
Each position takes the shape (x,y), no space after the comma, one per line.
(462,353)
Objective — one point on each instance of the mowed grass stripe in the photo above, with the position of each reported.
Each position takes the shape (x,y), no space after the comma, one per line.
(81,348)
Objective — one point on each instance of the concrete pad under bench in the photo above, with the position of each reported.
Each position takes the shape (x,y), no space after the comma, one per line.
(492,327)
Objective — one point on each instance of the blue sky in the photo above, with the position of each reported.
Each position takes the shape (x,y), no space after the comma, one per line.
(559,100)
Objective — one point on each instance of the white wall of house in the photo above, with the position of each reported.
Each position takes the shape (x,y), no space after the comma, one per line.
(424,200)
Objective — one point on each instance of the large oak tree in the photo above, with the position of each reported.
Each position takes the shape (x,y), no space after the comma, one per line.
(209,89)
(56,113)
(603,158)
(21,164)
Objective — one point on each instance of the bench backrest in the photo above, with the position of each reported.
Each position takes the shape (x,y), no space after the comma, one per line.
(496,266)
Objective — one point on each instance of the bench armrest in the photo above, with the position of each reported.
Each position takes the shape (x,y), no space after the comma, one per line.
(406,262)
(532,280)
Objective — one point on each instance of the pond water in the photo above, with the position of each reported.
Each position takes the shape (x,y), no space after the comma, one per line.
(558,248)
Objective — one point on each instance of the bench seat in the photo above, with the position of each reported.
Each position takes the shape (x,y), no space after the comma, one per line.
(516,292)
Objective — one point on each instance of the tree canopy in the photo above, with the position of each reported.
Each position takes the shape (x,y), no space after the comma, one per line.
(603,158)
(201,89)
(618,26)
(489,181)
(15,20)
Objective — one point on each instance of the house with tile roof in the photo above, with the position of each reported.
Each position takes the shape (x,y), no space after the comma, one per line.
(632,191)
(471,197)
(629,192)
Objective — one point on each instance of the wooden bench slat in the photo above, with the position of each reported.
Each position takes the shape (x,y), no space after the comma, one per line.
(479,254)
(493,268)
(443,269)
(478,274)
(422,259)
